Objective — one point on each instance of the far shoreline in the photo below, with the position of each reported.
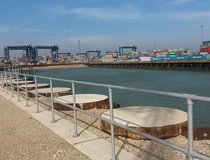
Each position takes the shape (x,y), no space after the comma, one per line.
(54,66)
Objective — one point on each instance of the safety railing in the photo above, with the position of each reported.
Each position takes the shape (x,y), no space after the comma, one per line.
(7,77)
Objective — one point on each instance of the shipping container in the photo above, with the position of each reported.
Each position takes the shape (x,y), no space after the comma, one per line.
(208,50)
(181,58)
(187,57)
(204,46)
(208,56)
(206,43)
(156,59)
(167,58)
(198,57)
(204,50)
(145,59)
(172,54)
(203,53)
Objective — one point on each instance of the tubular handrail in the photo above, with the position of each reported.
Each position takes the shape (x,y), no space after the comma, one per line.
(163,93)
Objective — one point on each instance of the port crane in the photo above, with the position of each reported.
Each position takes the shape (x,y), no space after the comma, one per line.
(67,53)
(132,47)
(31,52)
(28,49)
(98,52)
(54,52)
(81,54)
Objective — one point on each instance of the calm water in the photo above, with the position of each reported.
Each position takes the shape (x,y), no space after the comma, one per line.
(191,82)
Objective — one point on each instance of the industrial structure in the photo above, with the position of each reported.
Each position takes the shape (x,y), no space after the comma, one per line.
(27,48)
(54,52)
(205,47)
(121,49)
(31,52)
(98,52)
(64,53)
(81,54)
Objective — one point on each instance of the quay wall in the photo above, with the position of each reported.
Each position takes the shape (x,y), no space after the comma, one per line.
(168,65)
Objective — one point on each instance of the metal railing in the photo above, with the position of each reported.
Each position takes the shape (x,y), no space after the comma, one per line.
(7,78)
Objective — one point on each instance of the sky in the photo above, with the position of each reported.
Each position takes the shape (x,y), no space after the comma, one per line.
(104,24)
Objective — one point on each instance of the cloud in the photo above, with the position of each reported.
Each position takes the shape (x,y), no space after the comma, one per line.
(20,28)
(91,39)
(190,16)
(109,14)
(4,29)
(131,13)
(180,2)
(123,13)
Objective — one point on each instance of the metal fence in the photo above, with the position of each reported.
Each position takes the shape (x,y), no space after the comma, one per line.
(7,75)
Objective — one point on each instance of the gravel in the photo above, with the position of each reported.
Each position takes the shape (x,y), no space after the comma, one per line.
(25,138)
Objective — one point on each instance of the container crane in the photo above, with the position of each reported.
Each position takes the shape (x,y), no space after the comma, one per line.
(132,47)
(54,52)
(28,49)
(98,52)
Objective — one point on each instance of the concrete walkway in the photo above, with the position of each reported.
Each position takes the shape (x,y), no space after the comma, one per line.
(94,147)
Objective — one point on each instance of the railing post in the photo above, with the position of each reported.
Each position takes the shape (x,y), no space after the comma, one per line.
(4,78)
(36,92)
(18,90)
(111,124)
(75,112)
(11,80)
(26,90)
(1,78)
(6,83)
(52,104)
(190,128)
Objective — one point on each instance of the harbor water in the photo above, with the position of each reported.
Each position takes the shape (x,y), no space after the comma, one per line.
(190,82)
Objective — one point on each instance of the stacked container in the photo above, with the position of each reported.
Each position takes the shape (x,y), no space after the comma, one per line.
(205,47)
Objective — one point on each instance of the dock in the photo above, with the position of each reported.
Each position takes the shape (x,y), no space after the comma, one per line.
(164,65)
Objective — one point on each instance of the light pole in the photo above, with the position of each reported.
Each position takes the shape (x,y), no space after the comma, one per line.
(79,47)
(201,34)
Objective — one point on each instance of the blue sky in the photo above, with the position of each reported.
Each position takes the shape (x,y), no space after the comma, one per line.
(104,24)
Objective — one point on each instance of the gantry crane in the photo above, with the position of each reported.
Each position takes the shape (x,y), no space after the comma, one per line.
(98,52)
(27,48)
(54,52)
(132,47)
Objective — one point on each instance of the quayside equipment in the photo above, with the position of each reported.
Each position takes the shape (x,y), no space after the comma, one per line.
(67,53)
(28,49)
(81,54)
(54,52)
(98,52)
(132,47)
